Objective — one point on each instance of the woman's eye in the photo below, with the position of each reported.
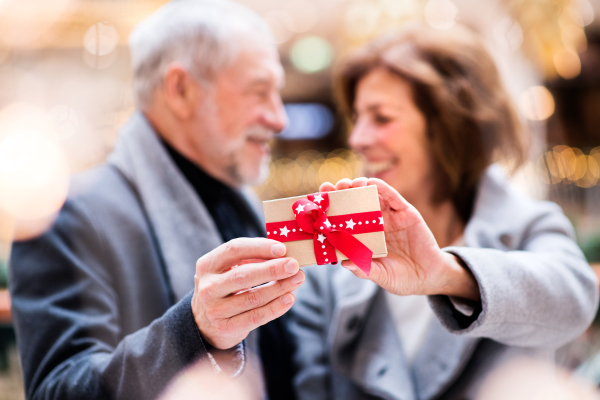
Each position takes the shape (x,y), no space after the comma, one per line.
(381,120)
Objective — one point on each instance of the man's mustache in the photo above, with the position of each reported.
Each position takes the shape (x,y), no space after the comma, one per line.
(260,133)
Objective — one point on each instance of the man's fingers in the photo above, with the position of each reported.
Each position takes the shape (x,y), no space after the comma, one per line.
(249,275)
(326,187)
(256,317)
(258,297)
(235,251)
(390,196)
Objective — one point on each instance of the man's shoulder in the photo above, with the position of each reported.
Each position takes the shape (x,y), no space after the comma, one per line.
(104,194)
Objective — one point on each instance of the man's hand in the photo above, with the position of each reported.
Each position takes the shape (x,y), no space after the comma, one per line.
(226,305)
(415,263)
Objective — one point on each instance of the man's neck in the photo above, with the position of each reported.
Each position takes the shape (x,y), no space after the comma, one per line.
(166,129)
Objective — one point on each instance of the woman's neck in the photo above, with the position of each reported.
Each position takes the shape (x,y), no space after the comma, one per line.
(443,220)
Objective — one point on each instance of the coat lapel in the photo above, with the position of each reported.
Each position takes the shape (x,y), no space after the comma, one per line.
(182,225)
(363,341)
(440,360)
(380,366)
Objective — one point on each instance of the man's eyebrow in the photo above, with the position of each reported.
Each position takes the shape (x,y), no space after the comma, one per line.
(260,81)
(263,80)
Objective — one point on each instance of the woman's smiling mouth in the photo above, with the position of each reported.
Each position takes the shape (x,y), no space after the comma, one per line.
(378,168)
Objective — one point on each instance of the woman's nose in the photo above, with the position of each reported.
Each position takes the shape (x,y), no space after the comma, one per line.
(361,136)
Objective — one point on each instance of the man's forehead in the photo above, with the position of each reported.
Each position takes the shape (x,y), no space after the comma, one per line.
(267,73)
(257,62)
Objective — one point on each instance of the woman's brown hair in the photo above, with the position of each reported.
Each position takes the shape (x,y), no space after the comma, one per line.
(471,122)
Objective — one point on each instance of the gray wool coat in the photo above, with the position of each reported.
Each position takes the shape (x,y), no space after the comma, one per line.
(102,301)
(537,293)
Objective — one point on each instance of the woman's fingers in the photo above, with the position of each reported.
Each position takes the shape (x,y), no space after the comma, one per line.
(343,184)
(360,182)
(326,187)
(390,195)
(350,266)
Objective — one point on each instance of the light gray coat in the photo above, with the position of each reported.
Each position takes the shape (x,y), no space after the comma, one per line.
(537,293)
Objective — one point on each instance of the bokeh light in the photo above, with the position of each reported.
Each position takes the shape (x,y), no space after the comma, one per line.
(587,12)
(307,171)
(34,175)
(22,23)
(307,121)
(311,54)
(361,19)
(281,24)
(520,378)
(567,63)
(573,37)
(99,43)
(581,11)
(304,15)
(569,165)
(440,14)
(65,120)
(537,103)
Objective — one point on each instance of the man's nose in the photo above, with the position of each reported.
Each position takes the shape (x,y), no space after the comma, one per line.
(275,115)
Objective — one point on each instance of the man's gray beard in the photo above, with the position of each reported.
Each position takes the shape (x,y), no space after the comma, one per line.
(234,170)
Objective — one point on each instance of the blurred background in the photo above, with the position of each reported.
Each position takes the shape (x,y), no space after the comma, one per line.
(66,88)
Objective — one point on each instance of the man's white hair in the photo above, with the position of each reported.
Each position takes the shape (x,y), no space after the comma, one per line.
(200,35)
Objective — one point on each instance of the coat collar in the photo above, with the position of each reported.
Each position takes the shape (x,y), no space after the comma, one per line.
(181,224)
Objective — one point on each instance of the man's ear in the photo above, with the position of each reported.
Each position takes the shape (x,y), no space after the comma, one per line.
(182,93)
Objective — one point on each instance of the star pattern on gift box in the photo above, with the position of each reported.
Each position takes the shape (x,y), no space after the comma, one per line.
(284,231)
(300,208)
(318,198)
(327,223)
(380,220)
(350,224)
(321,238)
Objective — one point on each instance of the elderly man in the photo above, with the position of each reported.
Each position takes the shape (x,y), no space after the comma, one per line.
(106,304)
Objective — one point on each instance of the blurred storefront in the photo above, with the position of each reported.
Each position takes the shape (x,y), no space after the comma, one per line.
(66,88)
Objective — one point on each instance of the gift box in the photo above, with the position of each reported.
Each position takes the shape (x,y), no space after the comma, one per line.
(328,227)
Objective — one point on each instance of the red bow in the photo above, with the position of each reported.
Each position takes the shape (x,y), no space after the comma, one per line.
(329,234)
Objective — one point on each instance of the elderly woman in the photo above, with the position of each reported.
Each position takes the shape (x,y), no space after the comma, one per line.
(476,272)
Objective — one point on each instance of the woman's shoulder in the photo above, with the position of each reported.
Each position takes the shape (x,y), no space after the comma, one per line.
(503,216)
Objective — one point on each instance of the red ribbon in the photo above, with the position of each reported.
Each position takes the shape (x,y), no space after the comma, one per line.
(328,233)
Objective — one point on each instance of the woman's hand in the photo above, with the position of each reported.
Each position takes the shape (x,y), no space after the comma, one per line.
(415,264)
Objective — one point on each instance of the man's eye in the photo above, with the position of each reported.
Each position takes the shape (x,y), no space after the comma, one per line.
(262,94)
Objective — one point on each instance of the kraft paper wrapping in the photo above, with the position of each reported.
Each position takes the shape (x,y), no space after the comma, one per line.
(349,201)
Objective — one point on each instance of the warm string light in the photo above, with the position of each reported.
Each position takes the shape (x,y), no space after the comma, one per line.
(553,43)
(303,174)
(550,32)
(569,165)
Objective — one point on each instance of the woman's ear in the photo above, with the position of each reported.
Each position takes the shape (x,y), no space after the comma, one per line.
(182,93)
